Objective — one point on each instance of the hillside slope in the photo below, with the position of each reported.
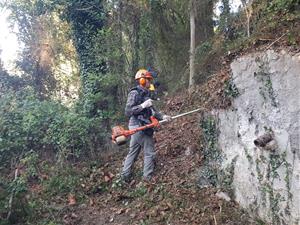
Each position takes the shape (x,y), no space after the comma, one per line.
(176,196)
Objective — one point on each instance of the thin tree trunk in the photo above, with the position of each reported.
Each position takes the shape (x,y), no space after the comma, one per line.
(192,46)
(121,62)
(248,14)
(248,25)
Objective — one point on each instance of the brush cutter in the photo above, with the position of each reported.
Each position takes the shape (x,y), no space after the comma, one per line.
(119,134)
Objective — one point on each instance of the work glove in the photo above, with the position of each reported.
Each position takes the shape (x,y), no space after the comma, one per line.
(167,118)
(146,104)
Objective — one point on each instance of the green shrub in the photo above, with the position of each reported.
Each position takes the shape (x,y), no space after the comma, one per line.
(23,123)
(283,5)
(30,161)
(74,134)
(28,124)
(230,89)
(62,183)
(203,49)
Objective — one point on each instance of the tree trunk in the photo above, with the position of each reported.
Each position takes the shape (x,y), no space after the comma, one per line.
(122,95)
(247,8)
(192,46)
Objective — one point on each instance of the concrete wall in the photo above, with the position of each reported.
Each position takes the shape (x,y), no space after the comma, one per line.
(264,181)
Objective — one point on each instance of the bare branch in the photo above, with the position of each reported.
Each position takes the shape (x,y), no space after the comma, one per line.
(12,195)
(275,41)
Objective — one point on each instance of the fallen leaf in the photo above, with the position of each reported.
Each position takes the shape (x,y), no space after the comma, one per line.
(120,211)
(107,178)
(92,202)
(44,176)
(73,215)
(111,175)
(127,210)
(71,199)
(132,215)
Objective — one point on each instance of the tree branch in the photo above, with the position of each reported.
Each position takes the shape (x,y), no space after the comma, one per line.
(275,41)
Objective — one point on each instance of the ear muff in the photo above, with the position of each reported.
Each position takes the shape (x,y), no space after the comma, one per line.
(142,81)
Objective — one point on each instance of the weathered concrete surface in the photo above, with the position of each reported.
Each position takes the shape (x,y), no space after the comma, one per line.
(266,183)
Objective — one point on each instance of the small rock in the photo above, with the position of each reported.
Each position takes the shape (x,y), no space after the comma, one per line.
(188,151)
(120,211)
(132,215)
(223,195)
(73,215)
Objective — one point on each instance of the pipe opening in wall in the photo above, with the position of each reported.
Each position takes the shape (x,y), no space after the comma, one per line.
(262,140)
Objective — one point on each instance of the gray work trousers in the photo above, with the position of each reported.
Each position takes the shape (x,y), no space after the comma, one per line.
(140,141)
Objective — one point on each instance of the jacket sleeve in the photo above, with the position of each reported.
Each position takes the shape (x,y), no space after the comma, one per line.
(131,108)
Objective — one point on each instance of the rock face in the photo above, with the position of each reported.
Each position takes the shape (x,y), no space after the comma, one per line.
(266,181)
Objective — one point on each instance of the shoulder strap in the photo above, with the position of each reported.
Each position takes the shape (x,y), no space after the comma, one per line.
(141,92)
(134,89)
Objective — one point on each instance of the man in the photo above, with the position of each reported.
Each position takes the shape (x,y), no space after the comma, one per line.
(139,109)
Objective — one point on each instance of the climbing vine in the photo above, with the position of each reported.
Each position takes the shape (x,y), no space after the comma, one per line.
(267,173)
(211,151)
(264,76)
(231,89)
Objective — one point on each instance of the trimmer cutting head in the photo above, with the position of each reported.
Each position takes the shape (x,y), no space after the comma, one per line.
(121,140)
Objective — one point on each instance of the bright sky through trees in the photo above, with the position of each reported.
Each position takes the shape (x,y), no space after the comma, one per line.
(9,45)
(235,4)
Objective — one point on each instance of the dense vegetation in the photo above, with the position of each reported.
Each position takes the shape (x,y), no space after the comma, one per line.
(78,63)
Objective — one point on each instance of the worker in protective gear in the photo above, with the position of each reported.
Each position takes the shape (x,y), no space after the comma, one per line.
(139,108)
